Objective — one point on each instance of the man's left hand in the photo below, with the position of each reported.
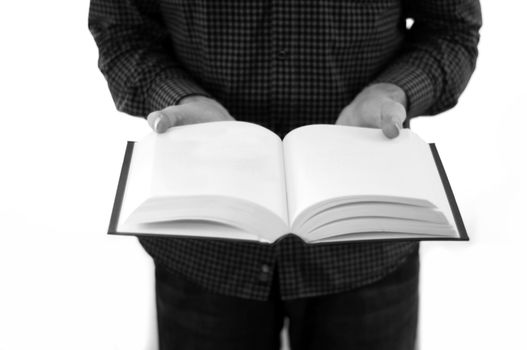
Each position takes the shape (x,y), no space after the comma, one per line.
(380,106)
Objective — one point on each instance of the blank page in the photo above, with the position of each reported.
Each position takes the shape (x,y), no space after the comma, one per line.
(324,162)
(232,159)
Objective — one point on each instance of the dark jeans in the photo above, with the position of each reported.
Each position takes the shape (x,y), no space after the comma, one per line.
(382,315)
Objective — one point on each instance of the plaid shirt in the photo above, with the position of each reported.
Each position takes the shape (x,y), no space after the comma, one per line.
(282,64)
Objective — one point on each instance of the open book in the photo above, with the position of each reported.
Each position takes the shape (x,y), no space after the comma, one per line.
(324,183)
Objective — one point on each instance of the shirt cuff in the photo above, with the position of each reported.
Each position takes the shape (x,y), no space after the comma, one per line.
(169,88)
(415,83)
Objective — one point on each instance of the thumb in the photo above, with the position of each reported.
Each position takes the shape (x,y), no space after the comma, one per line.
(393,115)
(161,121)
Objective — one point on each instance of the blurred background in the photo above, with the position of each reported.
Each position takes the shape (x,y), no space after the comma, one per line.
(65,284)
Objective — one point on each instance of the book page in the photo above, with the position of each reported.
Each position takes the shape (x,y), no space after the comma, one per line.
(373,236)
(371,209)
(329,162)
(226,159)
(190,228)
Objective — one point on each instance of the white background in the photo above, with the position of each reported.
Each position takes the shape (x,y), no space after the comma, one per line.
(65,284)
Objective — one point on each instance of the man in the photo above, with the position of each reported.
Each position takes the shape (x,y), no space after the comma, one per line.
(283,64)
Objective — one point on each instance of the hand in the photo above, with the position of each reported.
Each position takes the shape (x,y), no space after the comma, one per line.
(190,110)
(377,106)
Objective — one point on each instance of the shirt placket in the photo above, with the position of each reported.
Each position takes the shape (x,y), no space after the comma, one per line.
(283,38)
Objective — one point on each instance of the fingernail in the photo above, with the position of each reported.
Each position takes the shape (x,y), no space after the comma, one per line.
(391,131)
(157,122)
(396,129)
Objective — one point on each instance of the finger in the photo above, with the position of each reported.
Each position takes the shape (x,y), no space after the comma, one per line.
(393,115)
(158,121)
(152,119)
(359,114)
(161,121)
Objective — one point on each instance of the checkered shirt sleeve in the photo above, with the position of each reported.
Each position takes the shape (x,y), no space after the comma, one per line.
(283,64)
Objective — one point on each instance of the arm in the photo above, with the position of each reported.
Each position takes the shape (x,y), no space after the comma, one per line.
(136,58)
(433,67)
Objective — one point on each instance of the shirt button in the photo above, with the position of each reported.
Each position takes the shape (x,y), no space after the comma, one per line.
(265,274)
(283,54)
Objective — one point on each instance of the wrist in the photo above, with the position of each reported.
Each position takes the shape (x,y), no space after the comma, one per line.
(194,98)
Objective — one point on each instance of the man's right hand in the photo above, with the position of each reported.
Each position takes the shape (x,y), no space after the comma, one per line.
(190,110)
